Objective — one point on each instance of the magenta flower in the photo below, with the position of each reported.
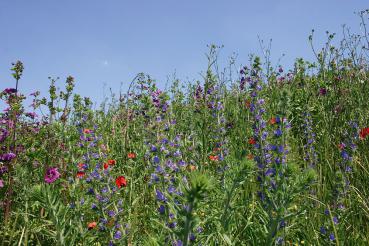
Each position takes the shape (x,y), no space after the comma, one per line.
(322,91)
(9,91)
(51,175)
(31,115)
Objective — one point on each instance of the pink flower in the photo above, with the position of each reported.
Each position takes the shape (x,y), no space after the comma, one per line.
(51,175)
(1,183)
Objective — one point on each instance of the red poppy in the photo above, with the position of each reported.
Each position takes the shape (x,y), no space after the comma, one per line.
(112,162)
(248,103)
(364,132)
(87,131)
(214,157)
(272,121)
(106,165)
(80,174)
(91,225)
(341,146)
(121,181)
(131,155)
(81,166)
(191,168)
(252,141)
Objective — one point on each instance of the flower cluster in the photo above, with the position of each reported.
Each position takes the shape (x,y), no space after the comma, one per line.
(270,150)
(311,156)
(337,207)
(95,174)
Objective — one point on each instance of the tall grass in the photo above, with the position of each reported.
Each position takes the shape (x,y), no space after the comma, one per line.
(269,158)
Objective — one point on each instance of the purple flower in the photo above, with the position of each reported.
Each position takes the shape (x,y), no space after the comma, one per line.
(278,132)
(178,243)
(322,91)
(282,223)
(270,172)
(331,237)
(51,175)
(172,225)
(160,196)
(31,115)
(117,235)
(335,220)
(3,134)
(111,213)
(7,157)
(345,155)
(199,229)
(171,189)
(192,237)
(279,240)
(153,148)
(156,160)
(161,209)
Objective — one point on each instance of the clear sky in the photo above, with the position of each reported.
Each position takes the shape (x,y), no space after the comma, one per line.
(110,41)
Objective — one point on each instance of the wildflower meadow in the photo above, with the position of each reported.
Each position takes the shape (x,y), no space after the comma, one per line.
(264,155)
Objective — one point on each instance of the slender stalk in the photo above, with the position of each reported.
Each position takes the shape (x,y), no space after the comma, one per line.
(9,193)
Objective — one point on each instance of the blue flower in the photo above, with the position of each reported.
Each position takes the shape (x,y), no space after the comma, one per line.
(161,209)
(153,148)
(270,172)
(172,225)
(111,213)
(160,196)
(345,155)
(278,132)
(117,235)
(156,160)
(178,243)
(335,220)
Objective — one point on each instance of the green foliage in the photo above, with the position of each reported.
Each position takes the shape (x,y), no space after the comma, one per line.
(180,167)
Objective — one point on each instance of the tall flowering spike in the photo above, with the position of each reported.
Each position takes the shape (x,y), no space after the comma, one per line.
(270,154)
(346,148)
(311,156)
(18,69)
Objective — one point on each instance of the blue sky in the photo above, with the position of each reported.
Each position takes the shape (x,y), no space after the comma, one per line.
(111,41)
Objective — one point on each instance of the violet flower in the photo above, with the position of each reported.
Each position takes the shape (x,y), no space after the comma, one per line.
(7,157)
